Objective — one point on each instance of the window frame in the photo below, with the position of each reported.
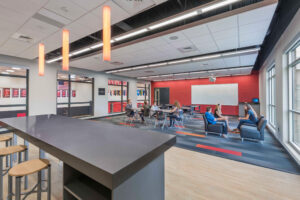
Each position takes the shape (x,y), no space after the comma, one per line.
(271,95)
(291,63)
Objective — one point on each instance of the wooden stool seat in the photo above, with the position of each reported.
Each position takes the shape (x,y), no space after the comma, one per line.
(4,138)
(12,149)
(29,167)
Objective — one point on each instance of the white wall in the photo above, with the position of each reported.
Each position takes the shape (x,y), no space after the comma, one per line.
(42,91)
(291,34)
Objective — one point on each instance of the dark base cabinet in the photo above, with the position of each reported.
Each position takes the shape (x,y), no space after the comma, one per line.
(146,184)
(79,186)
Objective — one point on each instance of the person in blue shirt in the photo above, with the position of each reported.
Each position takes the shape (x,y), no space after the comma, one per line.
(212,120)
(250,117)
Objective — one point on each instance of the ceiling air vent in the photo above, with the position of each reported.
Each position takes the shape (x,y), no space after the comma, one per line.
(149,71)
(22,37)
(187,49)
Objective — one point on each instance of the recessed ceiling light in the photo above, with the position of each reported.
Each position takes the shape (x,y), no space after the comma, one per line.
(131,34)
(4,73)
(173,20)
(10,70)
(218,5)
(16,68)
(179,61)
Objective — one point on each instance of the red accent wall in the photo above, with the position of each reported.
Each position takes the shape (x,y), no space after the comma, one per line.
(248,88)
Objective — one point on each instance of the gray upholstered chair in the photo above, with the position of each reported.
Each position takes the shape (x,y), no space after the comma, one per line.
(212,128)
(259,119)
(254,132)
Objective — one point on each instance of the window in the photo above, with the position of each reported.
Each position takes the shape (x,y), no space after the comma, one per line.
(271,88)
(74,95)
(293,56)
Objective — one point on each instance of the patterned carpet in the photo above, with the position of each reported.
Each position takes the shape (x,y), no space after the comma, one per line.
(269,154)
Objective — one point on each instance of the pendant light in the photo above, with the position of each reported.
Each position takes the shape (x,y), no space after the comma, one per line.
(65,50)
(106,33)
(41,59)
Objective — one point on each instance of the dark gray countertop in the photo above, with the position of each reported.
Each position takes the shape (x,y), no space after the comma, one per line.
(108,153)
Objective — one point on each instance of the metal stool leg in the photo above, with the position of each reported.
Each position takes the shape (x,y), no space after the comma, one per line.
(1,178)
(49,183)
(15,142)
(18,188)
(6,145)
(39,186)
(19,157)
(26,158)
(9,195)
(42,155)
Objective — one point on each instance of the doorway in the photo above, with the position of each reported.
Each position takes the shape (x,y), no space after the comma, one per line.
(161,96)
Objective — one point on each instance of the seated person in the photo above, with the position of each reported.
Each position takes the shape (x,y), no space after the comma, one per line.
(212,120)
(144,111)
(154,107)
(128,109)
(174,113)
(219,116)
(250,118)
(154,110)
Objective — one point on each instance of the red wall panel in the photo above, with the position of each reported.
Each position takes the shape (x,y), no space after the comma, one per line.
(248,88)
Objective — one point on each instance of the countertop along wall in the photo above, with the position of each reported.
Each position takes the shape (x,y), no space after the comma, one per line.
(42,89)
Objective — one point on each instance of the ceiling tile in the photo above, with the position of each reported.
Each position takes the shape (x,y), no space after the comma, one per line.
(223,24)
(90,5)
(257,15)
(65,8)
(133,7)
(115,18)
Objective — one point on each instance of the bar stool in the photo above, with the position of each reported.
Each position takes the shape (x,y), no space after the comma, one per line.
(27,168)
(8,142)
(9,151)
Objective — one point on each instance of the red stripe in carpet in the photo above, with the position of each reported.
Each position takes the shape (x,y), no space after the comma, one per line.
(191,134)
(107,117)
(177,126)
(126,124)
(236,153)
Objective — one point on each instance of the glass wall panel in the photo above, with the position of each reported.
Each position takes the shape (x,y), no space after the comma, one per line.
(117,96)
(13,92)
(74,95)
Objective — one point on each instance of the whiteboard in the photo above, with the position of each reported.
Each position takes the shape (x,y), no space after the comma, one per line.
(224,94)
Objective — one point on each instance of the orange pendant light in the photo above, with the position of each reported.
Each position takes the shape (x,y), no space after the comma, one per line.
(41,59)
(65,50)
(106,34)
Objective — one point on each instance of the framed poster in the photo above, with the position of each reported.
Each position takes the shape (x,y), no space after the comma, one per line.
(64,93)
(23,92)
(58,93)
(15,92)
(73,93)
(6,92)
